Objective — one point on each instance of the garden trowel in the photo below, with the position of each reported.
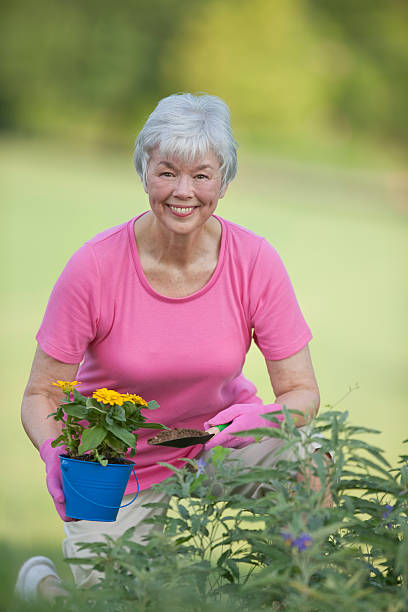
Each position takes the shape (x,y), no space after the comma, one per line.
(180,438)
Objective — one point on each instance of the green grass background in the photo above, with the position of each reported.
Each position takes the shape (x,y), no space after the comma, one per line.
(340,230)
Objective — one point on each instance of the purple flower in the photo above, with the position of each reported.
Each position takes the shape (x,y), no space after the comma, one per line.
(287,538)
(386,514)
(301,542)
(387,511)
(200,466)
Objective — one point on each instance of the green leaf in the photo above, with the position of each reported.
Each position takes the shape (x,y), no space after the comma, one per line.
(128,438)
(118,413)
(92,402)
(78,397)
(131,409)
(102,460)
(320,466)
(76,410)
(184,539)
(219,454)
(152,405)
(183,511)
(113,442)
(169,466)
(404,476)
(364,461)
(233,567)
(223,557)
(134,422)
(91,438)
(58,441)
(288,418)
(152,426)
(335,433)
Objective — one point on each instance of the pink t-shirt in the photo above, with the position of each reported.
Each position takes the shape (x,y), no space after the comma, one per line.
(186,353)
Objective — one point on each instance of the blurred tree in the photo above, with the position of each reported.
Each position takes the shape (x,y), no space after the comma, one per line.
(301,67)
(371,39)
(263,57)
(89,64)
(290,68)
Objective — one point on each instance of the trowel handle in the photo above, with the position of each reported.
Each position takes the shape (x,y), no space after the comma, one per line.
(221,427)
(214,429)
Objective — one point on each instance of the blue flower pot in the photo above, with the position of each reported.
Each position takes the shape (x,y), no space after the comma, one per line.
(94,492)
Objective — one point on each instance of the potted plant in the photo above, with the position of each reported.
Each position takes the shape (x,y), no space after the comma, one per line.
(97,432)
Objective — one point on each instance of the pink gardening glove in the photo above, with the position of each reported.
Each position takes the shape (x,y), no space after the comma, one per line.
(243,416)
(50,456)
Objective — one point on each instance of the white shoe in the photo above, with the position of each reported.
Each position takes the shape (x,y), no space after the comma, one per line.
(30,575)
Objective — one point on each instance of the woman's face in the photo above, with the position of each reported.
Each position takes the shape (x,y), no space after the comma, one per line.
(183,195)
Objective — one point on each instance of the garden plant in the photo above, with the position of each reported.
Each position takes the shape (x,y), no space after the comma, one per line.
(213,548)
(102,427)
(96,434)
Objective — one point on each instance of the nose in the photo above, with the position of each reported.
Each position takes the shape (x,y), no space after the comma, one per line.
(183,187)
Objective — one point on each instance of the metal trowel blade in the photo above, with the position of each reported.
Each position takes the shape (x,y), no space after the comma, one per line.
(183,442)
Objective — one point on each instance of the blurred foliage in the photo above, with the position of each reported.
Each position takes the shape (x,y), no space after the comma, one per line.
(303,66)
(89,67)
(289,68)
(372,55)
(216,547)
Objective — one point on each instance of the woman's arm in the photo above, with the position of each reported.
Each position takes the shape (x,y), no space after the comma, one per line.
(294,384)
(41,398)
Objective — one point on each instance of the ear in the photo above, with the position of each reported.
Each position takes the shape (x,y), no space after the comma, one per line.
(223,191)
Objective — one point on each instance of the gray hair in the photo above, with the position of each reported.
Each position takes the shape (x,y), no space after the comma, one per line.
(188,126)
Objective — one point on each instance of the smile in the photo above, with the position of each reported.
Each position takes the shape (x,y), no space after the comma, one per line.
(182,211)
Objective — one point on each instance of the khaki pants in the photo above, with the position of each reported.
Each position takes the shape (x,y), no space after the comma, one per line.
(264,454)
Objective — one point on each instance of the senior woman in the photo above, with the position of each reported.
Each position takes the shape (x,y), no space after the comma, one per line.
(166,306)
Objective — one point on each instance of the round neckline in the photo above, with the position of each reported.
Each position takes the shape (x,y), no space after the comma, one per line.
(145,282)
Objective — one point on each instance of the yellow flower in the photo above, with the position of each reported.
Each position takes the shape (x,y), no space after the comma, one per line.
(135,399)
(107,396)
(65,385)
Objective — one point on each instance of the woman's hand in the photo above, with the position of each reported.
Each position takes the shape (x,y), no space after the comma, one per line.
(50,456)
(242,417)
(41,399)
(294,385)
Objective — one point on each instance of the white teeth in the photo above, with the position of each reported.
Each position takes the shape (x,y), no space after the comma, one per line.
(182,210)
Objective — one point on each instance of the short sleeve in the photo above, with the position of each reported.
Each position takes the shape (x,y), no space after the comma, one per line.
(280,329)
(71,318)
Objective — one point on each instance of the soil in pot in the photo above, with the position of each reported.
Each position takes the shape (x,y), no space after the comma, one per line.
(89,458)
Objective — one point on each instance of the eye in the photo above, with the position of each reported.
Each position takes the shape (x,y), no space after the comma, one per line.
(166,174)
(201,176)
